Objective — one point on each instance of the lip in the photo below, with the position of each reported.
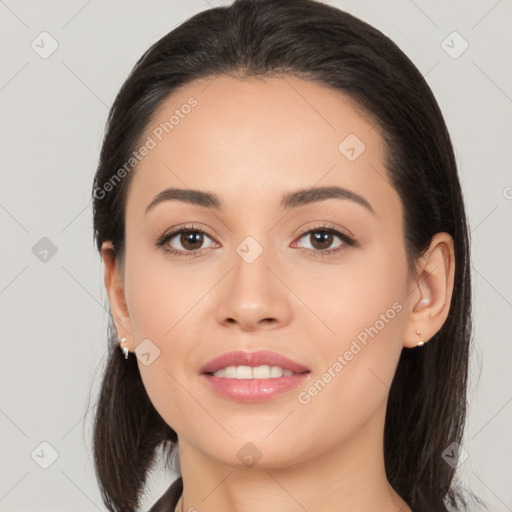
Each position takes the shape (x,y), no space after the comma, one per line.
(253,390)
(259,358)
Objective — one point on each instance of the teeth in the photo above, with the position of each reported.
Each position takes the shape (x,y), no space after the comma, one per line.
(249,372)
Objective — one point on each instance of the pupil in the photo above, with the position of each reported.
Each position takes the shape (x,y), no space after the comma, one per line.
(322,237)
(191,237)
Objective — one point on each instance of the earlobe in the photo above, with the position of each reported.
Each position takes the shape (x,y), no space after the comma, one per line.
(116,295)
(431,291)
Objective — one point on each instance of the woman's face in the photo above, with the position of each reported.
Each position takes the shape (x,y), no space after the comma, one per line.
(261,277)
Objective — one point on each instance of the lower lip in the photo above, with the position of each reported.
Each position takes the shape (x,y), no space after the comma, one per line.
(254,390)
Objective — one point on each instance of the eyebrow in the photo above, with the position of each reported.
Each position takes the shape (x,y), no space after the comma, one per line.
(291,200)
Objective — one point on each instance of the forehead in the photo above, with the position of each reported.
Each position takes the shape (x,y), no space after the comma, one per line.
(253,140)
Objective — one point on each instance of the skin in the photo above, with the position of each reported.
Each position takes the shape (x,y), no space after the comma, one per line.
(251,141)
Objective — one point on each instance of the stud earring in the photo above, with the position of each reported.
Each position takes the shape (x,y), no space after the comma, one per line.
(420,343)
(125,350)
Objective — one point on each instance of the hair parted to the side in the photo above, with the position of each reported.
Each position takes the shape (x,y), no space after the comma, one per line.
(313,41)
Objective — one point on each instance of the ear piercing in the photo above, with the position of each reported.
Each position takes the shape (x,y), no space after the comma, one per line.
(125,350)
(420,343)
(419,305)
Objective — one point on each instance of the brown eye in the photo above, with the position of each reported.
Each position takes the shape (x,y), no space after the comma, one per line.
(321,240)
(184,242)
(191,240)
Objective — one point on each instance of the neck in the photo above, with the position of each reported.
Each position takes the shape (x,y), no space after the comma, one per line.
(347,477)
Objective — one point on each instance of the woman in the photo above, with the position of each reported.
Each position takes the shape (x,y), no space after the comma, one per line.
(286,254)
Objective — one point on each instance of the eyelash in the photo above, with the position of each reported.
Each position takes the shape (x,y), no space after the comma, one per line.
(347,241)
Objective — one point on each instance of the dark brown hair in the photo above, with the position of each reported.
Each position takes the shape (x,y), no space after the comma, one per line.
(313,41)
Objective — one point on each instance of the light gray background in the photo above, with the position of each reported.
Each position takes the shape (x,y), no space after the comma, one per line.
(54,316)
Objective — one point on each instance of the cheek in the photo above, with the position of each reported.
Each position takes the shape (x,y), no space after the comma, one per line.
(161,305)
(163,302)
(162,295)
(364,308)
(365,293)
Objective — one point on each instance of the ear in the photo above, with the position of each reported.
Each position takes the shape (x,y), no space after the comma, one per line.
(431,291)
(116,295)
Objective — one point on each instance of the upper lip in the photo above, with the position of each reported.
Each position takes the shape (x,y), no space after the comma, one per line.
(259,358)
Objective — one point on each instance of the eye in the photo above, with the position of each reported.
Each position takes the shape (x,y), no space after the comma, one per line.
(321,239)
(190,238)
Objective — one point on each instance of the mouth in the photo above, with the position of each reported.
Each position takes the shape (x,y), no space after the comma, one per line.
(245,362)
(254,372)
(253,376)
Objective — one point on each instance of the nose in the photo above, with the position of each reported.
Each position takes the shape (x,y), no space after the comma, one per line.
(253,295)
